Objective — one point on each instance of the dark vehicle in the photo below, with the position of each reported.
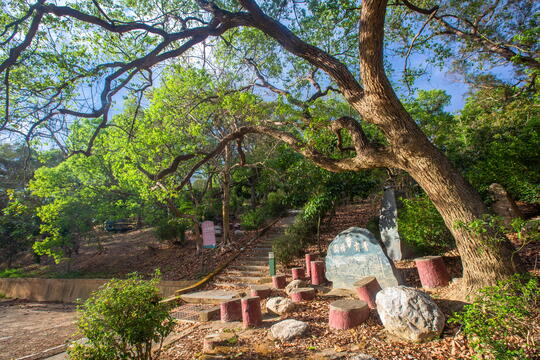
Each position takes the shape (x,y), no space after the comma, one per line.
(121,225)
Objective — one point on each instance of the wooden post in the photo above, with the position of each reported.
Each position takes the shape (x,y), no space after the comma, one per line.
(279,281)
(231,310)
(302,294)
(308,266)
(432,271)
(262,291)
(251,312)
(317,272)
(347,313)
(298,273)
(367,290)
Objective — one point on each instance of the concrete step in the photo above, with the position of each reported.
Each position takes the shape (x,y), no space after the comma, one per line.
(254,260)
(210,296)
(232,272)
(231,285)
(242,267)
(244,279)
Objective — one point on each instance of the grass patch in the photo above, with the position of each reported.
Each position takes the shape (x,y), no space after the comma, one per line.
(12,273)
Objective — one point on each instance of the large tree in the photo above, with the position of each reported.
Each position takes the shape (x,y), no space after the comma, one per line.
(54,58)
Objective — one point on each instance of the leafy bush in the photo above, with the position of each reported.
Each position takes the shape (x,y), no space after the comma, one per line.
(422,226)
(121,320)
(273,207)
(499,324)
(11,273)
(286,248)
(253,219)
(172,231)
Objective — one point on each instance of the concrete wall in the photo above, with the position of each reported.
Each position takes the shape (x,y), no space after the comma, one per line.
(67,290)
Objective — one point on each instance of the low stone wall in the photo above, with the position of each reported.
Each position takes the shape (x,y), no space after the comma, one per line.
(67,290)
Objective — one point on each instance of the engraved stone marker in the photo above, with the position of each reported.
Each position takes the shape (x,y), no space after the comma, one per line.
(388,225)
(208,234)
(355,254)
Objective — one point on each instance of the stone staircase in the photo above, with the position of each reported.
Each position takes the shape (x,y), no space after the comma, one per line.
(250,268)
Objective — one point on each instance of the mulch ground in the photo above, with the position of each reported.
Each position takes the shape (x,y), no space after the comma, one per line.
(323,343)
(116,255)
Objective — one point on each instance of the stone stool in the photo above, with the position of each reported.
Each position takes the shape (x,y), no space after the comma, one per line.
(302,294)
(298,273)
(367,289)
(279,281)
(251,312)
(317,273)
(432,271)
(231,310)
(261,291)
(347,313)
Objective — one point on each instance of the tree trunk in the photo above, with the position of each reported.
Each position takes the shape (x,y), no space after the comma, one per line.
(225,206)
(485,259)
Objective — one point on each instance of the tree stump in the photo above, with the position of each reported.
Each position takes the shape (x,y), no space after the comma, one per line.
(317,273)
(347,313)
(432,271)
(231,310)
(298,273)
(302,294)
(251,312)
(367,290)
(279,281)
(262,291)
(308,266)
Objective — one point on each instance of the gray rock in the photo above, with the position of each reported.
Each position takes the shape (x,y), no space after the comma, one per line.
(288,329)
(295,284)
(355,254)
(280,305)
(409,314)
(388,225)
(362,357)
(238,232)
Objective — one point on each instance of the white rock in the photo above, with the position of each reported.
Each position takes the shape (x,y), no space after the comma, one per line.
(238,232)
(288,329)
(409,313)
(295,284)
(362,357)
(280,305)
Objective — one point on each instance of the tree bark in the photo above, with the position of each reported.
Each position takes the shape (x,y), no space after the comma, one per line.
(225,205)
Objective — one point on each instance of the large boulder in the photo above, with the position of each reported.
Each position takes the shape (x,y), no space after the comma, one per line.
(280,305)
(288,329)
(355,254)
(409,314)
(295,284)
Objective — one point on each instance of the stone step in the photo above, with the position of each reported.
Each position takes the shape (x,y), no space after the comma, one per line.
(242,267)
(244,279)
(210,296)
(254,261)
(231,272)
(232,285)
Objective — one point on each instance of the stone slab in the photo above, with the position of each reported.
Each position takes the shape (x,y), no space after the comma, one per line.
(210,314)
(388,225)
(210,296)
(354,254)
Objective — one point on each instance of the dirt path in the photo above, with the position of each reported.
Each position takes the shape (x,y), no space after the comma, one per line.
(28,328)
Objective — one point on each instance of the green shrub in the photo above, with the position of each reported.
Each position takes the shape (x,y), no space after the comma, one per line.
(11,273)
(286,248)
(172,231)
(501,323)
(253,219)
(422,227)
(274,205)
(121,320)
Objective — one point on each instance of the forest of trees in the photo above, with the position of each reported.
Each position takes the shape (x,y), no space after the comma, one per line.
(192,109)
